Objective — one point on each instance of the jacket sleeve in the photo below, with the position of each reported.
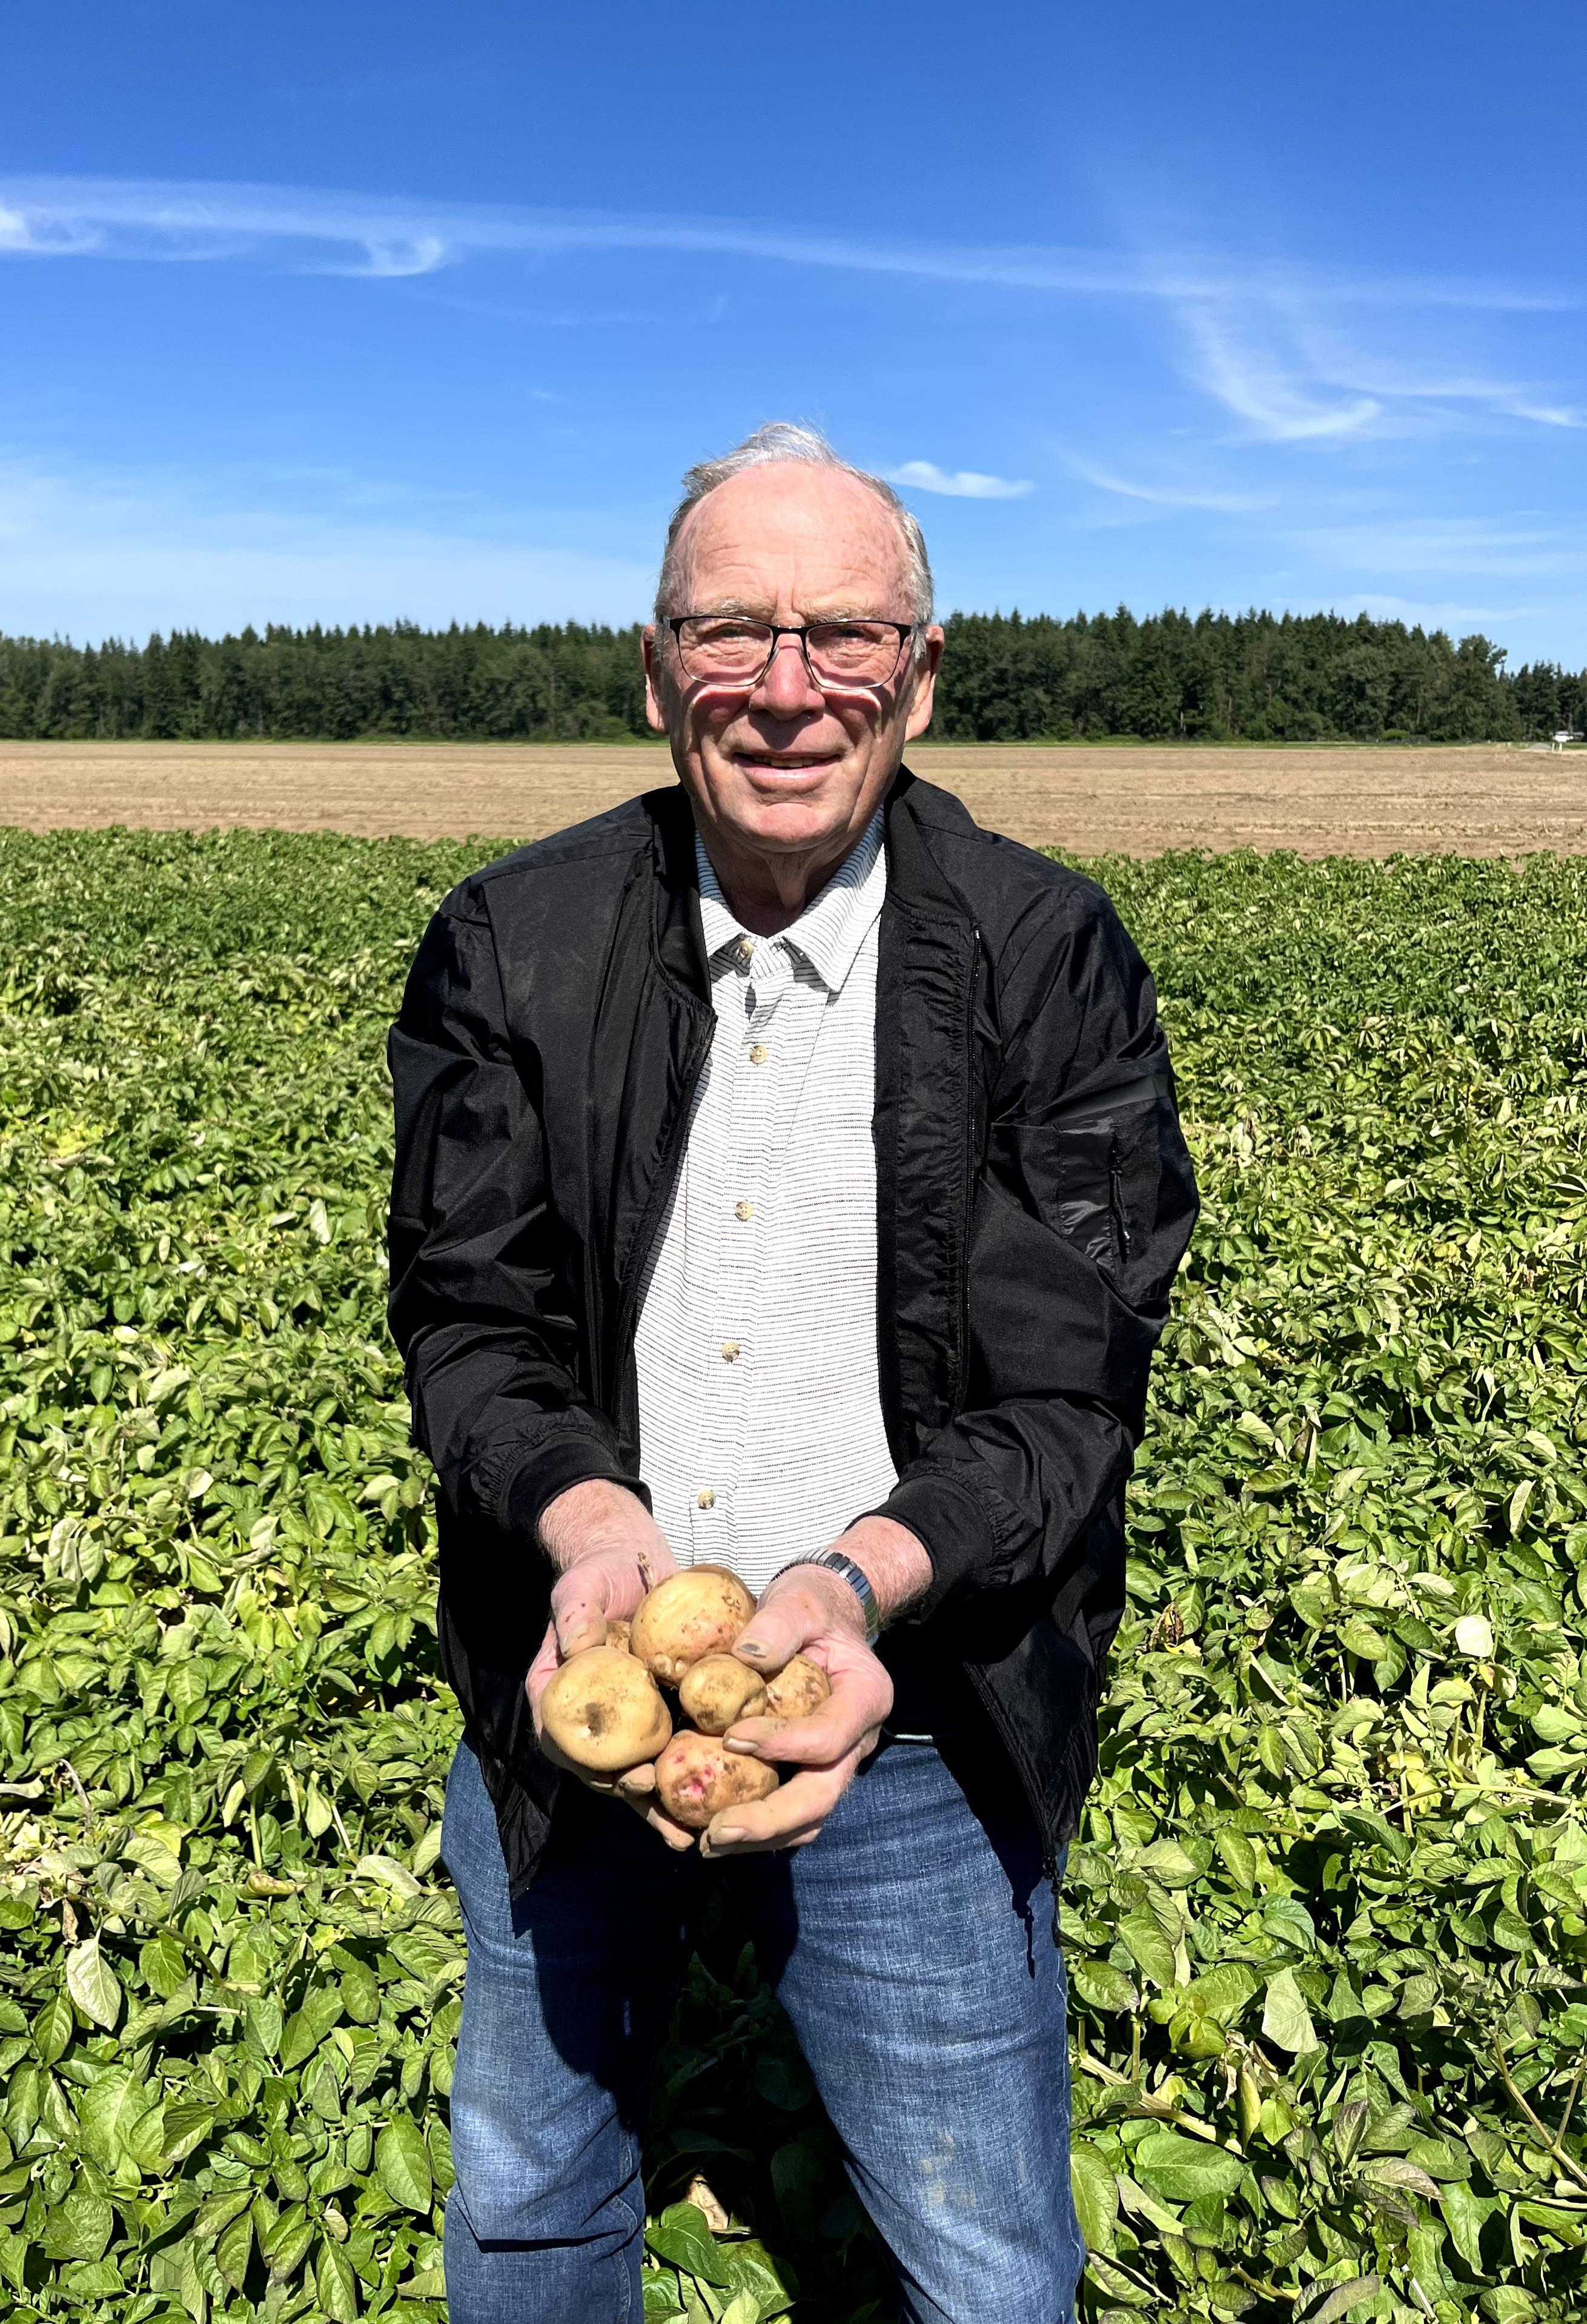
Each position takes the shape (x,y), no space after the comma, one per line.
(1082,1211)
(478,1302)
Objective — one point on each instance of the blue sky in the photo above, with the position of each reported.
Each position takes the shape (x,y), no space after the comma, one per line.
(348,312)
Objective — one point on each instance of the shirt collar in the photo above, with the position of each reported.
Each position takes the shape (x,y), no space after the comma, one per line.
(829,931)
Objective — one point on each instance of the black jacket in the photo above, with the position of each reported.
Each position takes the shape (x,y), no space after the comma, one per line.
(1034,1197)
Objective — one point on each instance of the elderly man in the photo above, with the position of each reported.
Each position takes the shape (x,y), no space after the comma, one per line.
(787,1178)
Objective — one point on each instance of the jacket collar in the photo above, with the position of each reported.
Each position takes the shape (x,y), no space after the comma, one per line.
(915,880)
(831,930)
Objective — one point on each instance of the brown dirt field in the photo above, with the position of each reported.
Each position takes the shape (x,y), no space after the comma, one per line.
(1479,799)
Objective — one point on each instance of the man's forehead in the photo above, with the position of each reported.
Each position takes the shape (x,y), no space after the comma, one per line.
(820,523)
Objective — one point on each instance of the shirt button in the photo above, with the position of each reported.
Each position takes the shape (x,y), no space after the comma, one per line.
(745,951)
(758,1054)
(744,1210)
(731,1351)
(707,1500)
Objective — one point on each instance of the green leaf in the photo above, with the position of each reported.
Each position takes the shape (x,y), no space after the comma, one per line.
(107,2111)
(54,2028)
(1101,1986)
(1096,2195)
(233,2250)
(743,2308)
(748,2267)
(1358,1638)
(361,1992)
(1180,2170)
(307,2027)
(186,1687)
(163,1966)
(1166,1861)
(1237,1854)
(188,2123)
(1223,1992)
(401,2163)
(1286,2018)
(336,2285)
(1462,2215)
(682,2238)
(93,1984)
(1343,2299)
(1148,1947)
(83,2225)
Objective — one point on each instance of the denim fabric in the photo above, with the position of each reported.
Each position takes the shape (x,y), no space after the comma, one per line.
(911,1947)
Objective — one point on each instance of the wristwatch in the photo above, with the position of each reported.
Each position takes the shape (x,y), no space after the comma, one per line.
(858,1579)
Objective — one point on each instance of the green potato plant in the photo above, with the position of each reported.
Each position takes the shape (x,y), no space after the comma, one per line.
(1326,1921)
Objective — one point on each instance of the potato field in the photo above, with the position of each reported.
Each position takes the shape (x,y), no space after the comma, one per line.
(1326,1926)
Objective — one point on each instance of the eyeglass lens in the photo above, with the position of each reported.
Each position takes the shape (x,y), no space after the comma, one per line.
(724,647)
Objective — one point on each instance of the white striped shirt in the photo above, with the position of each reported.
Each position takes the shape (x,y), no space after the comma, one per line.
(761,1426)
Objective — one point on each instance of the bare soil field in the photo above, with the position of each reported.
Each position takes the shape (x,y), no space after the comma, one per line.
(1477,800)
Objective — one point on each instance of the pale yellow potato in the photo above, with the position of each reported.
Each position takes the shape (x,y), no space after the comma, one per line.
(719,1690)
(687,1617)
(617,1636)
(697,1777)
(604,1711)
(799,1688)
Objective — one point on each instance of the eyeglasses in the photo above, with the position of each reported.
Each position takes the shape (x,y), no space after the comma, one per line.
(726,648)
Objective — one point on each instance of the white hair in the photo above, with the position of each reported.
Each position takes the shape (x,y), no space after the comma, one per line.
(789,440)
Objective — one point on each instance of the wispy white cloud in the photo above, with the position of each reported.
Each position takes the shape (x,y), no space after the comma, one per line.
(1550,415)
(379,235)
(1237,361)
(958,483)
(1171,496)
(1294,368)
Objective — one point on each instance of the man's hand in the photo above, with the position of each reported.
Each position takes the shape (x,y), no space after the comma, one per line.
(611,1551)
(809,1610)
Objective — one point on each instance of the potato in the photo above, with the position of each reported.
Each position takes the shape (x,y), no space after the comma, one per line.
(604,1711)
(799,1688)
(719,1690)
(697,1777)
(617,1636)
(687,1617)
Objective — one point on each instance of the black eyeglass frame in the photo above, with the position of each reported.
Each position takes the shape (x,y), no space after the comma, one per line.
(801,629)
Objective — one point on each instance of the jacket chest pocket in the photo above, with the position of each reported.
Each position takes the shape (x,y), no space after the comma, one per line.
(1073,1178)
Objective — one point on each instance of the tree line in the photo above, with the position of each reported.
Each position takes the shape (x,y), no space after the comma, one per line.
(1253,677)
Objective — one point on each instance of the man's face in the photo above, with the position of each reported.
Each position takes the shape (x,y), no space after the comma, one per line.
(782,769)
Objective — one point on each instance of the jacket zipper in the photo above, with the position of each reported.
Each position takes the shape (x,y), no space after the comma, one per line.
(1027,1784)
(1011,1744)
(1116,1199)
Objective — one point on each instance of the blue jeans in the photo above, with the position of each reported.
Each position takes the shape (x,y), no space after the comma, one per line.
(912,1947)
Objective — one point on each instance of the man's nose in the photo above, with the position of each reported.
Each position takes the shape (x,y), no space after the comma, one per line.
(787,690)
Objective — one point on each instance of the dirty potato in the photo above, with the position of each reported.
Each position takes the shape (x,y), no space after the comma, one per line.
(799,1688)
(719,1690)
(604,1711)
(696,1778)
(687,1617)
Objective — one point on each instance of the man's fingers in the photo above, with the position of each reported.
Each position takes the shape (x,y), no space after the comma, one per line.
(772,1638)
(540,1673)
(791,1817)
(849,1718)
(580,1623)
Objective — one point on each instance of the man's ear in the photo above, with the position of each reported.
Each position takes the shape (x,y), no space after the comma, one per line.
(655,680)
(924,695)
